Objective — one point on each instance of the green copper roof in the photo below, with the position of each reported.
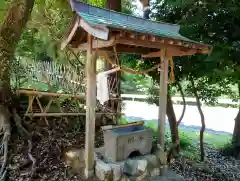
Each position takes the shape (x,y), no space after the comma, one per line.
(99,16)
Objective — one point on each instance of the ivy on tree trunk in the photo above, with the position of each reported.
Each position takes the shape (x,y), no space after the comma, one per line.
(10,33)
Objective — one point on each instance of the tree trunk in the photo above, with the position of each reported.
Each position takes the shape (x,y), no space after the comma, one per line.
(184,103)
(236,133)
(114,5)
(146,8)
(10,32)
(202,119)
(173,125)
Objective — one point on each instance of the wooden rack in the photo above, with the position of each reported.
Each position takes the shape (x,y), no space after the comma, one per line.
(52,97)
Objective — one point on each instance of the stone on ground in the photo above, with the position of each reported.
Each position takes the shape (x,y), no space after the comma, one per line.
(169,176)
(103,171)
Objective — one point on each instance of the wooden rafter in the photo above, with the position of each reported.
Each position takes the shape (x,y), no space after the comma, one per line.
(125,34)
(154,42)
(72,33)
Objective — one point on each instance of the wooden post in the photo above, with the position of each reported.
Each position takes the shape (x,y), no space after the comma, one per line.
(90,109)
(162,98)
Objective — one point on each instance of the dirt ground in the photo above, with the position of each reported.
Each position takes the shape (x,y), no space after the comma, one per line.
(49,143)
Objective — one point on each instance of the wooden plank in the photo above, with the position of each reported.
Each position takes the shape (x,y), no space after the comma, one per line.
(70,36)
(97,44)
(90,109)
(163,98)
(152,54)
(140,43)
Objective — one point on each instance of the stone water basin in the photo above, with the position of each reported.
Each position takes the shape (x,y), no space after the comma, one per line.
(120,143)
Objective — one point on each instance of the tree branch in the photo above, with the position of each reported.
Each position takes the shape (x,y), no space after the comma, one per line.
(202,118)
(184,103)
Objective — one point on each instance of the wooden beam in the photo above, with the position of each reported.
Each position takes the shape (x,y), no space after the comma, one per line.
(153,54)
(101,32)
(98,44)
(175,52)
(129,50)
(137,42)
(72,33)
(90,109)
(163,98)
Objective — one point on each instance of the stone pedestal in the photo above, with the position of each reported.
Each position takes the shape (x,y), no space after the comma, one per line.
(134,168)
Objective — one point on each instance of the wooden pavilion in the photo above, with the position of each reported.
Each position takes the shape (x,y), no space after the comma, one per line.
(100,30)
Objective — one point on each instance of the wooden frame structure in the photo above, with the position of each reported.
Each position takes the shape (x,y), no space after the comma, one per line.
(97,30)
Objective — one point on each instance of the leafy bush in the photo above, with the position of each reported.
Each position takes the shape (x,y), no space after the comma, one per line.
(185,141)
(227,149)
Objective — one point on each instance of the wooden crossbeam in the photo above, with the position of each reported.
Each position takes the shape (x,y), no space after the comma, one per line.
(174,51)
(98,44)
(129,50)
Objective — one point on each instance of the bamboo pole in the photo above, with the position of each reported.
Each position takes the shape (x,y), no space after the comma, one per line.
(53,94)
(62,114)
(139,123)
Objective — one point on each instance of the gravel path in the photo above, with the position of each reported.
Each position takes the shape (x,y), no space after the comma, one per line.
(218,168)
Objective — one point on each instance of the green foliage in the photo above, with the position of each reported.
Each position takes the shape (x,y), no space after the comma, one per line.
(207,21)
(185,141)
(3,7)
(227,149)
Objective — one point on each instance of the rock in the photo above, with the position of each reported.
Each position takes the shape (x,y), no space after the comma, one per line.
(125,178)
(142,165)
(135,167)
(103,171)
(155,172)
(116,171)
(152,159)
(200,166)
(161,155)
(130,167)
(74,158)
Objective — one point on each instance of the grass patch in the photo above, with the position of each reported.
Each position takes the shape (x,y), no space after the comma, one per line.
(189,139)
